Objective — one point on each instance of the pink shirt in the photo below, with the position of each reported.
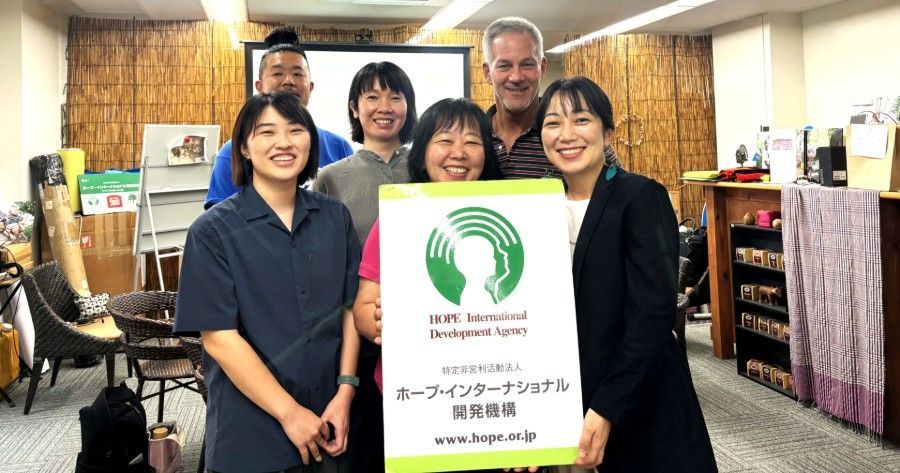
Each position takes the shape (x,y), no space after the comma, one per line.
(370,268)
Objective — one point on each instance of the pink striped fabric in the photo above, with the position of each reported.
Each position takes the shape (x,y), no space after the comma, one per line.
(832,261)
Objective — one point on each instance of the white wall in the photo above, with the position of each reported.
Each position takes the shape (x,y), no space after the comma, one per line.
(43,44)
(12,181)
(32,54)
(783,35)
(739,84)
(851,51)
(789,70)
(758,80)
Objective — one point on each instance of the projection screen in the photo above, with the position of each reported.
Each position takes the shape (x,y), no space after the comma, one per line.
(436,72)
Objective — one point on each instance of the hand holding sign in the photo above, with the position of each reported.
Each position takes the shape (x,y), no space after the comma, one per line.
(378,323)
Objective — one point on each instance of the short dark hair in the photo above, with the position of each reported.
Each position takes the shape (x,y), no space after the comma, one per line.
(445,115)
(281,39)
(287,105)
(389,76)
(580,94)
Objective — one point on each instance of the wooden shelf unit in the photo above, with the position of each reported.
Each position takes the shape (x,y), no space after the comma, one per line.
(727,202)
(749,342)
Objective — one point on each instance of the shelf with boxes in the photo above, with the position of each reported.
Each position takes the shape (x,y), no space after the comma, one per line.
(762,328)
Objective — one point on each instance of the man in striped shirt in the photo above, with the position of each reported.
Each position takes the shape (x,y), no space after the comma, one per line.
(514,63)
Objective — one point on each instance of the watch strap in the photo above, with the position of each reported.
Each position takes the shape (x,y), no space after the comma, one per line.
(348,379)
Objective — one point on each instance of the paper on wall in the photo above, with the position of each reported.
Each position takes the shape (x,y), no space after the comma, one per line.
(868,140)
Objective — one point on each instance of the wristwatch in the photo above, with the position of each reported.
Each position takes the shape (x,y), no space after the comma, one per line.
(348,379)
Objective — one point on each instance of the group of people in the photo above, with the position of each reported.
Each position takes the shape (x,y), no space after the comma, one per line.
(283,283)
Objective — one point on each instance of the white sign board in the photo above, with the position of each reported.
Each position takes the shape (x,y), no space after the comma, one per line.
(480,350)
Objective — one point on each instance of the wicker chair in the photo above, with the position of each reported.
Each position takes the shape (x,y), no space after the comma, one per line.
(194,348)
(688,297)
(52,303)
(150,344)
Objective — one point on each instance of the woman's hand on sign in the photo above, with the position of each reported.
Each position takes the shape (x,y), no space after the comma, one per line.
(306,431)
(378,323)
(367,310)
(593,440)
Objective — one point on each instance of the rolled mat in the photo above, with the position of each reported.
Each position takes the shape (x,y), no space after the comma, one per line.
(73,166)
(61,225)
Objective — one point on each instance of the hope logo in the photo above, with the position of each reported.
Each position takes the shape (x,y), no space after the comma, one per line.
(474,257)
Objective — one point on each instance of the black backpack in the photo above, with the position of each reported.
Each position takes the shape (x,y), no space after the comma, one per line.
(113,433)
(692,245)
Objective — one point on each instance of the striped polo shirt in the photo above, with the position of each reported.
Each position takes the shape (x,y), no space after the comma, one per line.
(526,159)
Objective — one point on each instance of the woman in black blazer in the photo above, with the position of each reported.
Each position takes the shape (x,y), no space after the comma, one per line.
(641,411)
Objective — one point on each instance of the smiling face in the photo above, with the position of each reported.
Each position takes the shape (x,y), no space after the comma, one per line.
(455,154)
(515,71)
(381,113)
(277,148)
(574,139)
(286,70)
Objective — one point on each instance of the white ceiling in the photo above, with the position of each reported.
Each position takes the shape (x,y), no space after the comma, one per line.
(581,16)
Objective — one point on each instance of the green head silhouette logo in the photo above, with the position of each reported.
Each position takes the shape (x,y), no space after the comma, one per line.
(475,256)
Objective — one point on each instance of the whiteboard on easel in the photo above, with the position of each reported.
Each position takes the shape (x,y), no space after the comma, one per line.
(176,165)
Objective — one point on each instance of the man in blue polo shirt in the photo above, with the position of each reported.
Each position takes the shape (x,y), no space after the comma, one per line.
(282,67)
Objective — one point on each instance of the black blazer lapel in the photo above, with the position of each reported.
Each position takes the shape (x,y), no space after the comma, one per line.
(602,191)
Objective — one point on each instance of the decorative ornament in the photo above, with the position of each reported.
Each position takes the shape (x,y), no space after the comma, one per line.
(640,134)
(776,224)
(741,155)
(749,219)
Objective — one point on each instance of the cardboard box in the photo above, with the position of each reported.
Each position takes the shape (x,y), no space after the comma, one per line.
(750,292)
(770,372)
(749,320)
(776,328)
(763,324)
(784,380)
(776,260)
(754,368)
(744,254)
(108,193)
(760,257)
(106,245)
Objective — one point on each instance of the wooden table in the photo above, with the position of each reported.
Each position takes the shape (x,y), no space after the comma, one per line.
(727,202)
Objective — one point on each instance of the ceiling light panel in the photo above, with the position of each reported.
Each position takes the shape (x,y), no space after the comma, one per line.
(394,3)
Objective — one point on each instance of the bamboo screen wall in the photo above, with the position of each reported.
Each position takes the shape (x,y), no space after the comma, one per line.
(663,84)
(123,74)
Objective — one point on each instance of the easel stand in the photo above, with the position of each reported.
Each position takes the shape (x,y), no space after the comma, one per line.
(171,196)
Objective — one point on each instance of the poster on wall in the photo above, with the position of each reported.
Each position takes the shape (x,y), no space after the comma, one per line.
(187,149)
(480,351)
